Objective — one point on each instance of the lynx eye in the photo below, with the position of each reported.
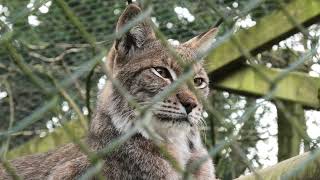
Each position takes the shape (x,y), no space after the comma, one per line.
(200,83)
(162,72)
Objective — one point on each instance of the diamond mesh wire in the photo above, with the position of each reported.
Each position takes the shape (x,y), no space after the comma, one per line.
(49,41)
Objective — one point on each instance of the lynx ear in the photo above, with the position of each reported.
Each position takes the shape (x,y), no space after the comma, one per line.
(203,42)
(137,35)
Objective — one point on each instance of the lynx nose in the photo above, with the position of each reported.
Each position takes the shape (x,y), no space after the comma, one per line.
(188,101)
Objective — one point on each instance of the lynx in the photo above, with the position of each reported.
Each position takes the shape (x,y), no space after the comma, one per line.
(144,67)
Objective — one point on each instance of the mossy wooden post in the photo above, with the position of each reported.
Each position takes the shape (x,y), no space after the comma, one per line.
(289,139)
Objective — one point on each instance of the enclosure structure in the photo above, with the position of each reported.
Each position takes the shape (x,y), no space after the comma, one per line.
(72,36)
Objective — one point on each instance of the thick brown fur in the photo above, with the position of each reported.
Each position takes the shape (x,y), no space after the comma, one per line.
(136,59)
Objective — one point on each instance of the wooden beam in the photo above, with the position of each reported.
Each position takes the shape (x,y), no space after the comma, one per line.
(305,166)
(268,31)
(296,87)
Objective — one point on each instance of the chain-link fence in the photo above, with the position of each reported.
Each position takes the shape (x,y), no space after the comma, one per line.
(52,67)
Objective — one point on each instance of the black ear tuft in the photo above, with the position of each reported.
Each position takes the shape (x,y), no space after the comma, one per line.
(202,43)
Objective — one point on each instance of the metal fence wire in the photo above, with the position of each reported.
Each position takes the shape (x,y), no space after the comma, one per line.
(52,66)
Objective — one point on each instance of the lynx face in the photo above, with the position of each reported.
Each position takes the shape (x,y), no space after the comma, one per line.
(145,68)
(158,71)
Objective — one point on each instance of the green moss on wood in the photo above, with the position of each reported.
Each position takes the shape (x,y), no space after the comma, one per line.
(296,87)
(305,166)
(266,30)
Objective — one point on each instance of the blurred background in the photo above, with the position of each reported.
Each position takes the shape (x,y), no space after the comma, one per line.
(51,52)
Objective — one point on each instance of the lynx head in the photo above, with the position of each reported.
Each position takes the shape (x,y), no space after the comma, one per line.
(145,67)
